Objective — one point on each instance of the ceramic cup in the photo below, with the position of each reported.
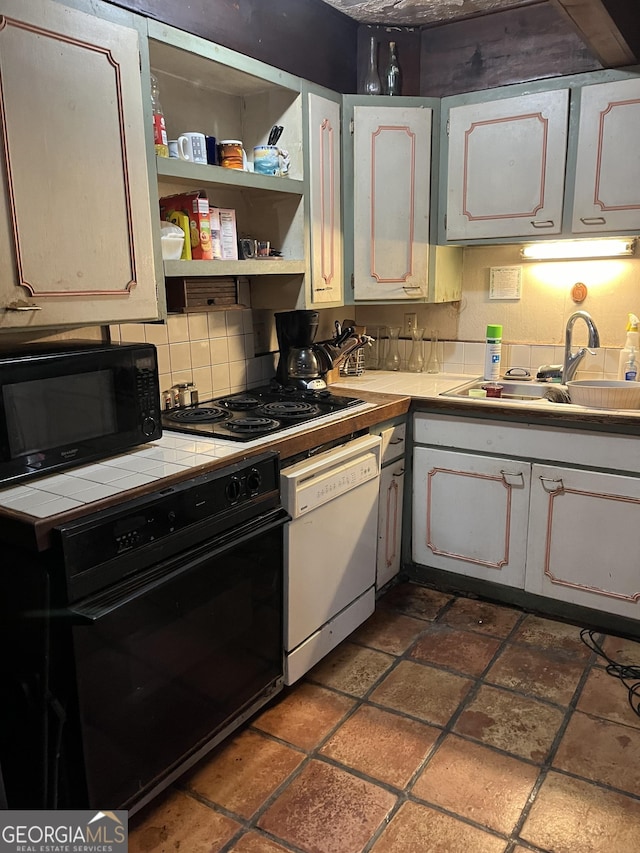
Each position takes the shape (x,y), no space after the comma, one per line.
(192,146)
(270,160)
(231,154)
(173,149)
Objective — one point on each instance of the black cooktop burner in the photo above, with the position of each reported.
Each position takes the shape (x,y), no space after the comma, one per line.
(197,414)
(252,425)
(289,409)
(250,414)
(239,402)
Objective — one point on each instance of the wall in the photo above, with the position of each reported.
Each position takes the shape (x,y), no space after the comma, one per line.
(533,326)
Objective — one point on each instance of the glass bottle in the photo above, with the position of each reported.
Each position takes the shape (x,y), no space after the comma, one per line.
(392,361)
(371,84)
(433,364)
(416,359)
(392,72)
(159,128)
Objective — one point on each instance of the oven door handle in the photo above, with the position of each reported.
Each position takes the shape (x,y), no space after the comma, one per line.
(90,610)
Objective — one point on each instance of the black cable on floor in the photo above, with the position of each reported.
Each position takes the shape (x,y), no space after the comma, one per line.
(628,675)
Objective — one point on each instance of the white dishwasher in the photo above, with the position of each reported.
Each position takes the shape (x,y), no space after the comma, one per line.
(330,549)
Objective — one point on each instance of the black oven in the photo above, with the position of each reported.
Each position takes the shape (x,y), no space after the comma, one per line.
(146,635)
(68,402)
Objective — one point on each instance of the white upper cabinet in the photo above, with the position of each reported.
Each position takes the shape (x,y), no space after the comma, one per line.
(392,180)
(76,242)
(607,181)
(506,167)
(325,223)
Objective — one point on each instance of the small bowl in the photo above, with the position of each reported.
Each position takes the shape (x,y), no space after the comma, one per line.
(605,393)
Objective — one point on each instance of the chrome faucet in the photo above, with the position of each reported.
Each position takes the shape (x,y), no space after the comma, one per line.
(571,361)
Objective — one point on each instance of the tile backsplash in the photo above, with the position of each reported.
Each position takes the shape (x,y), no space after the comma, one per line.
(214,349)
(468,357)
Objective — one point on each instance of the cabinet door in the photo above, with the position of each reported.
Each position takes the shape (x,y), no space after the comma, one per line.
(470,514)
(392,155)
(390,523)
(506,164)
(583,539)
(75,220)
(324,201)
(607,184)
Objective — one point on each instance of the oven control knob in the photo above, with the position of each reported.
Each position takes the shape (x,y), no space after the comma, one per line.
(234,489)
(254,479)
(148,426)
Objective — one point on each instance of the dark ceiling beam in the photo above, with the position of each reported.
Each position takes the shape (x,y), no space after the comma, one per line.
(607,27)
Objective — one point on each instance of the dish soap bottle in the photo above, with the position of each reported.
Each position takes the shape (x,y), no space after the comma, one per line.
(631,368)
(492,353)
(632,343)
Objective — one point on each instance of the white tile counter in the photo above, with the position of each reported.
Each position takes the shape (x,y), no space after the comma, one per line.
(173,453)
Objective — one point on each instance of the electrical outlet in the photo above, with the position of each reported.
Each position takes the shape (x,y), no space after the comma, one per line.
(410,322)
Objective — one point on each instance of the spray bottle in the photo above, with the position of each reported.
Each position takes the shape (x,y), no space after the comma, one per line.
(631,344)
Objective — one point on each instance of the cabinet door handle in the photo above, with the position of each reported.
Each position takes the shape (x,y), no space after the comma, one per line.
(396,441)
(514,474)
(411,289)
(398,473)
(593,220)
(542,223)
(20,305)
(556,485)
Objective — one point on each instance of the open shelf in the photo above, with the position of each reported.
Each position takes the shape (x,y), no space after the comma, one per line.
(195,175)
(274,266)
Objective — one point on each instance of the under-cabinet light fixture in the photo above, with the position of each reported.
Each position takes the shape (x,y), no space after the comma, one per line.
(568,250)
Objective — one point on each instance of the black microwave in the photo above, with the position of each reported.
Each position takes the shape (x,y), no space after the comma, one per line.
(66,403)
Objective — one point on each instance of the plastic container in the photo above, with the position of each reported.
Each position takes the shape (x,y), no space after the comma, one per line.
(493,353)
(172,241)
(632,342)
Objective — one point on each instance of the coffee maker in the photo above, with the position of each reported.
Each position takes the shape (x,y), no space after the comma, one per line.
(301,364)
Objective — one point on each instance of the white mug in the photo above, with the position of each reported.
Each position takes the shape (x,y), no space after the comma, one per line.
(193,147)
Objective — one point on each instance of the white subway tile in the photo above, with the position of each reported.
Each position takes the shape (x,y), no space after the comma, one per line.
(198,327)
(217,324)
(178,328)
(157,333)
(234,323)
(219,349)
(164,360)
(236,347)
(200,353)
(180,355)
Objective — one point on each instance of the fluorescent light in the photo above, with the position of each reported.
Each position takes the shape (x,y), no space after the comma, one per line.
(579,249)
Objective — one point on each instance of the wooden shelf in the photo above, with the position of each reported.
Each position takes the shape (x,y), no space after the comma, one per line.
(274,266)
(198,175)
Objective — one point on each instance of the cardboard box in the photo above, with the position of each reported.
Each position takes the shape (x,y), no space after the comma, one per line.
(228,232)
(196,205)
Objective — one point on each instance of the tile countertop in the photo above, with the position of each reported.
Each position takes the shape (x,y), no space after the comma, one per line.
(425,390)
(29,509)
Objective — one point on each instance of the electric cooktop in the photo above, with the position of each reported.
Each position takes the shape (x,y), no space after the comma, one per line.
(255,413)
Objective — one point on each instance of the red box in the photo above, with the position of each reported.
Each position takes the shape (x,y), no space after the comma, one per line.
(196,205)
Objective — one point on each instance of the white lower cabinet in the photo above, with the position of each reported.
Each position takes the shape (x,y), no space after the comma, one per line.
(390,504)
(470,514)
(583,538)
(565,529)
(389,522)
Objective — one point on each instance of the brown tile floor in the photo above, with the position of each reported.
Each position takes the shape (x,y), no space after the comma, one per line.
(443,725)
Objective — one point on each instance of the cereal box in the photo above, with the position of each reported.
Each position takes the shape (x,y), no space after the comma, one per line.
(196,205)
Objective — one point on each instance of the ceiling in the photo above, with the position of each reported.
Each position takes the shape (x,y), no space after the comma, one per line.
(408,13)
(609,28)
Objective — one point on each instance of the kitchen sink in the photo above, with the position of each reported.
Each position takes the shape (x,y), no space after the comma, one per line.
(512,391)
